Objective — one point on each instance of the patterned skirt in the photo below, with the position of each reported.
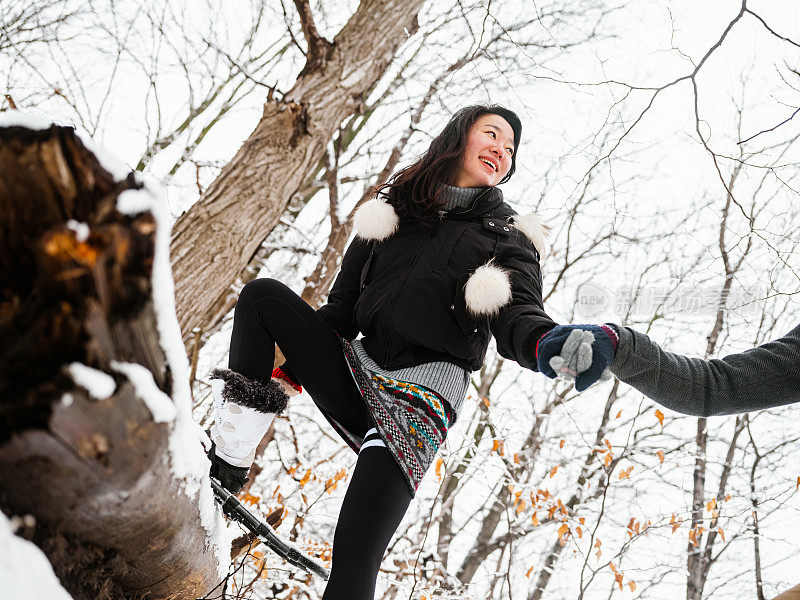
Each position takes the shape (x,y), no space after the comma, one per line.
(411,420)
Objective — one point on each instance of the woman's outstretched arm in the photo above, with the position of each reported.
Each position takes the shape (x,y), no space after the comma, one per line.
(521,322)
(762,377)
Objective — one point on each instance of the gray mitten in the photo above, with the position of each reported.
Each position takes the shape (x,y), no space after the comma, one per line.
(576,356)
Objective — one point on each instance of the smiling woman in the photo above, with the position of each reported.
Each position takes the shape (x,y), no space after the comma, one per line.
(489,153)
(439,265)
(476,149)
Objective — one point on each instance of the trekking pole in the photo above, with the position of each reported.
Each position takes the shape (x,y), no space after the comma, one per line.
(236,510)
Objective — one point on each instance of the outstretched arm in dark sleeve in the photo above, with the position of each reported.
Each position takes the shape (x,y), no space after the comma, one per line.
(521,322)
(762,377)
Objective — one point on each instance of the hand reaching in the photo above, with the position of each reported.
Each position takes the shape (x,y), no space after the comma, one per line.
(579,353)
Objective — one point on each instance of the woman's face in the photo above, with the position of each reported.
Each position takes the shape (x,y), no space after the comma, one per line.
(487,157)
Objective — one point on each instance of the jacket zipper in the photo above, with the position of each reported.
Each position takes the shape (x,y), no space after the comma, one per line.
(396,292)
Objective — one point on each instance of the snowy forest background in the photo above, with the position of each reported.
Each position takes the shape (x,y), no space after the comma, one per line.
(659,145)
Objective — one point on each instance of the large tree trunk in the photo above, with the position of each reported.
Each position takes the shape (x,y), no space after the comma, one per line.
(214,240)
(88,430)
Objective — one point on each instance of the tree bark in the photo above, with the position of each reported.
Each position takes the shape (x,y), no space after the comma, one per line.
(215,239)
(95,472)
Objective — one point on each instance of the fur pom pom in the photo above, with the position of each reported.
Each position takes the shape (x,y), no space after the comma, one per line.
(487,290)
(375,220)
(533,228)
(264,397)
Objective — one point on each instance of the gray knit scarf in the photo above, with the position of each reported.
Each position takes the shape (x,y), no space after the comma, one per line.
(459,197)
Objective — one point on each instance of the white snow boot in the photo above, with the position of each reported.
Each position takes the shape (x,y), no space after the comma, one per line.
(244,409)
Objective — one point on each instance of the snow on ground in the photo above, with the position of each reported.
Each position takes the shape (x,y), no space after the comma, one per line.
(25,572)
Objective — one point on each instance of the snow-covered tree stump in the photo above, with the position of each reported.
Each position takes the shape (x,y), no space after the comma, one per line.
(96,438)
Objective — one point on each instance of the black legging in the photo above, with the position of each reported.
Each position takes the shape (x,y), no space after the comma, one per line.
(268,312)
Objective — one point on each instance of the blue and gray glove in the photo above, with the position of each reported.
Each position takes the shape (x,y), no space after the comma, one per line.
(579,353)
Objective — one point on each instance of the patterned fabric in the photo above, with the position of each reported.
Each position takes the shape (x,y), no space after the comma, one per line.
(450,381)
(412,420)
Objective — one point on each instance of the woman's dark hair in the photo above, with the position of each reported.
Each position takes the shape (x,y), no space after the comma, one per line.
(414,190)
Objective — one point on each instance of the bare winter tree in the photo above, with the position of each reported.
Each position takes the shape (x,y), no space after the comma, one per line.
(182,78)
(541,492)
(24,24)
(215,239)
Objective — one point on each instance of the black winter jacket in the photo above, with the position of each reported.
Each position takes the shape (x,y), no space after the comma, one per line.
(435,293)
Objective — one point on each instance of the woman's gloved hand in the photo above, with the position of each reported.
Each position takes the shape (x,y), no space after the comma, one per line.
(579,353)
(232,478)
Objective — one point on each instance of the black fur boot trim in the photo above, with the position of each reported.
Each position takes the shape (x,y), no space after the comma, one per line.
(264,397)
